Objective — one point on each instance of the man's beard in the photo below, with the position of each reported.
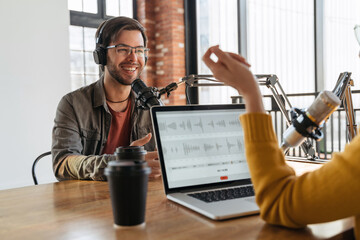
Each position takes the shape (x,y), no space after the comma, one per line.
(116,75)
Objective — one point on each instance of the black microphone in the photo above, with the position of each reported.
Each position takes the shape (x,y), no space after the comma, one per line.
(145,95)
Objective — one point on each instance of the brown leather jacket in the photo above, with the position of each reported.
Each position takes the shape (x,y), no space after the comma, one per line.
(81,128)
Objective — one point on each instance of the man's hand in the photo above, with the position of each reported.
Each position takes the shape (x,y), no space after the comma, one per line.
(151,158)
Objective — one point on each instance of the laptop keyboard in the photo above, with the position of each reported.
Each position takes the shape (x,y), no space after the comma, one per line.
(224,194)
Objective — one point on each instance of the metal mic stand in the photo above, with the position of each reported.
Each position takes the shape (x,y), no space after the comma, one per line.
(190,81)
(270,80)
(343,91)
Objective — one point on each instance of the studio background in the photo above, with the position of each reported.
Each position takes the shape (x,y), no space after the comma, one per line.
(34,75)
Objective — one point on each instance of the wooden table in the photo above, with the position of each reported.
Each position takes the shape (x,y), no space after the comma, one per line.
(82,210)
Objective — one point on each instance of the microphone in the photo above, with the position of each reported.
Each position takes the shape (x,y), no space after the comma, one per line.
(357,33)
(306,124)
(145,95)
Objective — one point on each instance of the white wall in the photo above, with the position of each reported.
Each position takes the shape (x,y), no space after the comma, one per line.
(34,75)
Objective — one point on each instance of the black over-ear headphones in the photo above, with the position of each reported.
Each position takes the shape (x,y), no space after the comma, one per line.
(100,51)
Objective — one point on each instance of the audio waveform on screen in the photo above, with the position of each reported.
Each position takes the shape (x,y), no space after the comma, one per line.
(196,125)
(198,148)
(189,149)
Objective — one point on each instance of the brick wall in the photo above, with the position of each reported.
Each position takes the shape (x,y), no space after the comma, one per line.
(165,29)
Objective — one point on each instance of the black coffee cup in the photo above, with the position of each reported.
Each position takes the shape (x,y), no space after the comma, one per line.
(128,181)
(134,153)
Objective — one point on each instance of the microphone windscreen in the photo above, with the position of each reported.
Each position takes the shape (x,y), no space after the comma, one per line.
(357,33)
(323,106)
(145,94)
(138,86)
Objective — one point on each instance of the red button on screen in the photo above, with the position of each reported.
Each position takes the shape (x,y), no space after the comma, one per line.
(224,177)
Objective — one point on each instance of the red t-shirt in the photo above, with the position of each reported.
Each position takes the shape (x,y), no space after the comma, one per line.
(119,134)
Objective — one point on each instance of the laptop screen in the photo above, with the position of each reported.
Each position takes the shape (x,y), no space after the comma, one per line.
(200,144)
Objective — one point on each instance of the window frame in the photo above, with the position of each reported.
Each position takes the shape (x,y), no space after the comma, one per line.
(192,51)
(93,20)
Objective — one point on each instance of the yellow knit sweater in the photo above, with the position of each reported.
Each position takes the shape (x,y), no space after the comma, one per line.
(332,192)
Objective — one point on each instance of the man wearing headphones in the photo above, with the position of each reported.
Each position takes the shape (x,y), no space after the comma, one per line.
(93,121)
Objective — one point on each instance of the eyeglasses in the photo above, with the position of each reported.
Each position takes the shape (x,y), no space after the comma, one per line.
(357,32)
(124,50)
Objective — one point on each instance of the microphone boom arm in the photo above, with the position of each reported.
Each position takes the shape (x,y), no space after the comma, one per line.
(343,91)
(271,81)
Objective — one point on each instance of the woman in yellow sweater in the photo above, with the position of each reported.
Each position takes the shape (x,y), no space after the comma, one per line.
(332,192)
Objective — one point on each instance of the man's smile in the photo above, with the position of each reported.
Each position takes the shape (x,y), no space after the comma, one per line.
(129,67)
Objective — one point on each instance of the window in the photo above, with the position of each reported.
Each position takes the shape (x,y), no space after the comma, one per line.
(89,6)
(306,43)
(341,54)
(281,41)
(85,17)
(216,24)
(83,68)
(119,8)
(341,50)
(282,37)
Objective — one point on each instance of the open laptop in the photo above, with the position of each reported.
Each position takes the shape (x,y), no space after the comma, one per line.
(202,157)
